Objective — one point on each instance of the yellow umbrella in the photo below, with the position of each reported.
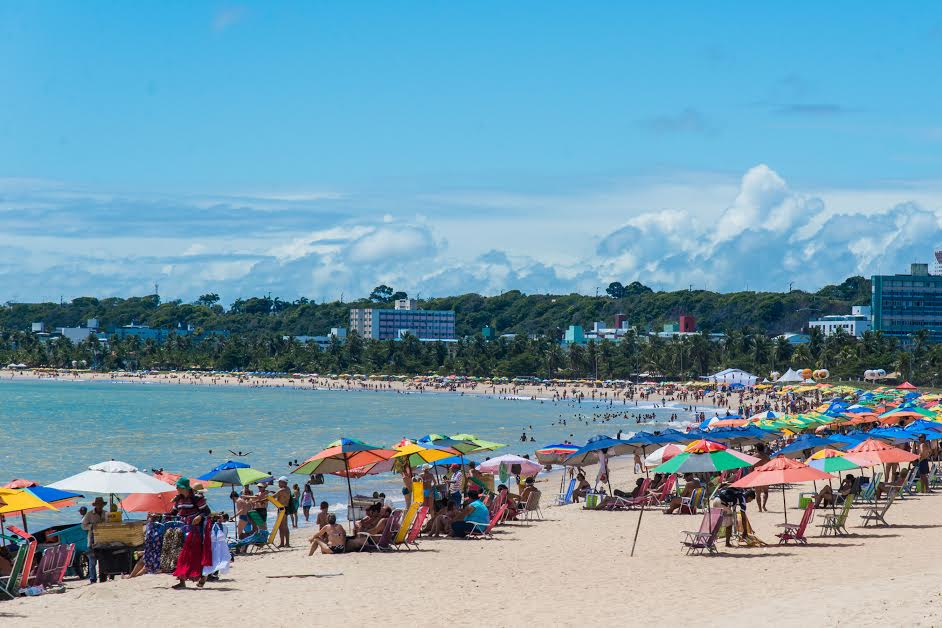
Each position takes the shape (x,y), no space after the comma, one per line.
(18,500)
(417,454)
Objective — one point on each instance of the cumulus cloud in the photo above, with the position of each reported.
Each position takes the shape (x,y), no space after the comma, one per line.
(768,236)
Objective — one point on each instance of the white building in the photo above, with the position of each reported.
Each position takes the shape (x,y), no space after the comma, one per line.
(854,324)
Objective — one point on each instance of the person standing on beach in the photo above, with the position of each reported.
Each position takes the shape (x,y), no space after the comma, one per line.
(96,515)
(295,503)
(307,501)
(283,497)
(191,507)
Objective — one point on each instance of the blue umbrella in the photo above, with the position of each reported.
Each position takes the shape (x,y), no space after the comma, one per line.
(588,453)
(803,443)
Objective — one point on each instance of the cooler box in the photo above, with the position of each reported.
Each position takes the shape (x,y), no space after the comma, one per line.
(805,498)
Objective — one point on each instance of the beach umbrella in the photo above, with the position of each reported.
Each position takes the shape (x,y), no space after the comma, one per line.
(798,447)
(527,467)
(663,454)
(588,453)
(20,483)
(342,455)
(834,461)
(420,454)
(704,456)
(880,452)
(780,470)
(555,454)
(21,501)
(171,478)
(480,443)
(235,474)
(149,502)
(111,478)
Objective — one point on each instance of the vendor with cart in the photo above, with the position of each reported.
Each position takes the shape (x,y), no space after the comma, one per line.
(96,515)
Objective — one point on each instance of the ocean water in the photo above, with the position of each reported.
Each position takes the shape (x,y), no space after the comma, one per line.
(55,429)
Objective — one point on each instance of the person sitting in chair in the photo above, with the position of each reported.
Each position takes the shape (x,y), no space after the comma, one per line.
(690,485)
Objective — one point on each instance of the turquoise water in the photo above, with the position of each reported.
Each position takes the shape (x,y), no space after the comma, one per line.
(55,429)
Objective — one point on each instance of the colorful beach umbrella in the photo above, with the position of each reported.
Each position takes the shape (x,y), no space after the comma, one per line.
(342,455)
(780,470)
(663,454)
(834,461)
(235,474)
(555,454)
(704,456)
(418,455)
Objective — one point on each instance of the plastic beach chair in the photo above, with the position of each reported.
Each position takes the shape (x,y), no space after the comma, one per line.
(416,529)
(479,532)
(532,507)
(10,585)
(836,523)
(406,526)
(31,544)
(566,498)
(258,538)
(689,505)
(877,514)
(704,539)
(793,532)
(382,540)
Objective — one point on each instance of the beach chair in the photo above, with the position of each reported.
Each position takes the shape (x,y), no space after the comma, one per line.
(836,523)
(258,538)
(383,540)
(10,585)
(704,539)
(910,483)
(406,526)
(412,537)
(689,505)
(877,514)
(52,566)
(935,476)
(869,492)
(566,498)
(280,514)
(30,542)
(796,532)
(532,507)
(485,532)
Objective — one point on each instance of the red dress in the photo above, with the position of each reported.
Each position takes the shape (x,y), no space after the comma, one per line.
(197,551)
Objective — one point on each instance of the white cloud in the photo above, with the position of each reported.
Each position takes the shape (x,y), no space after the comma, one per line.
(711,230)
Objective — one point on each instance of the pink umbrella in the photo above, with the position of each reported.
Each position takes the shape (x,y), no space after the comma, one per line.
(149,502)
(781,470)
(527,467)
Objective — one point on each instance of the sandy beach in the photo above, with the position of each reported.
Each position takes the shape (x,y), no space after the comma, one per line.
(571,568)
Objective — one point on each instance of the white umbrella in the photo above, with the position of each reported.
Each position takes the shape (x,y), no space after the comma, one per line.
(527,466)
(112,477)
(663,454)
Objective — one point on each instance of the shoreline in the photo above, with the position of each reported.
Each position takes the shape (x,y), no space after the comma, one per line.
(543,394)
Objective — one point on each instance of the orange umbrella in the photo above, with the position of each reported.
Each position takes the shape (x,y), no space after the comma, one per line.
(781,470)
(149,502)
(876,451)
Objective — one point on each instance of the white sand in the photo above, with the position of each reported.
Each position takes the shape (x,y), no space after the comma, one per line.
(571,569)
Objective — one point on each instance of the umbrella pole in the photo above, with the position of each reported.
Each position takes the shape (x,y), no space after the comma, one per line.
(784,504)
(637,529)
(234,506)
(23,517)
(346,468)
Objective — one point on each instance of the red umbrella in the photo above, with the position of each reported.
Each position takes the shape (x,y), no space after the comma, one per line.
(876,451)
(781,470)
(149,502)
(905,386)
(20,483)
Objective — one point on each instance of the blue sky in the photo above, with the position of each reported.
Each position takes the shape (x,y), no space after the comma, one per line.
(321,148)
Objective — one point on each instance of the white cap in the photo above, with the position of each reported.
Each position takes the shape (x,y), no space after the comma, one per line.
(283,478)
